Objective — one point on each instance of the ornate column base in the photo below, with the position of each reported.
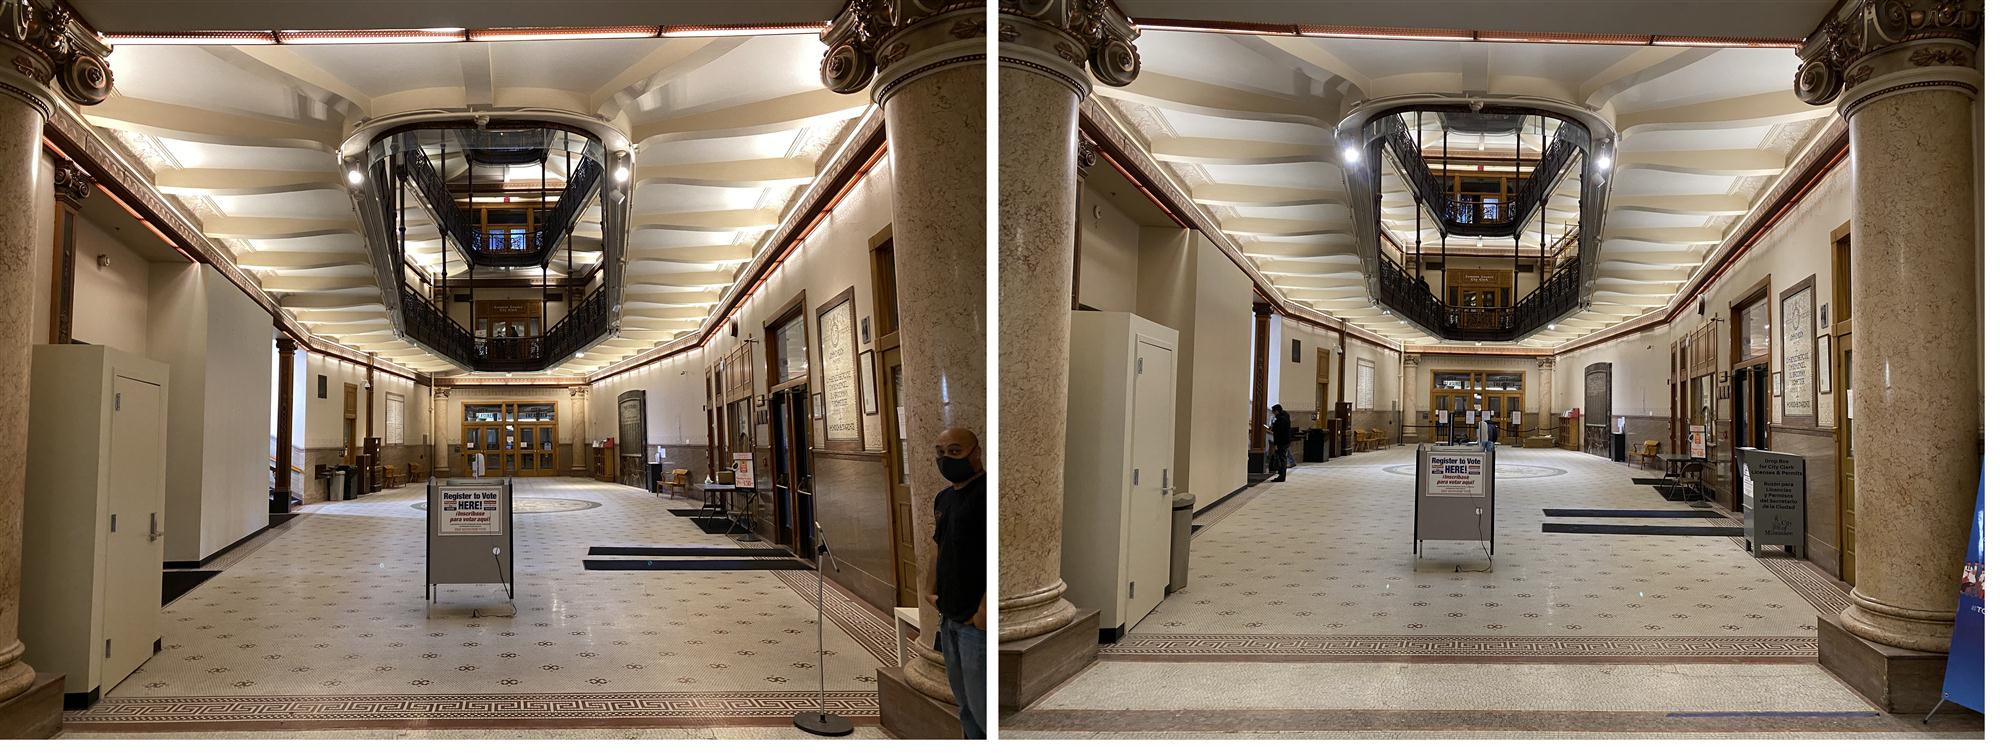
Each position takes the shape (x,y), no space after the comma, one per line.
(1894,679)
(910,712)
(35,713)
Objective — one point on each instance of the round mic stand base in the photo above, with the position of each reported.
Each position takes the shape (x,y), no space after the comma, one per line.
(823,724)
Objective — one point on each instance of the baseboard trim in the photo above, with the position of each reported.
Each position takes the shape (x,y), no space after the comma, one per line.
(1219,501)
(82,700)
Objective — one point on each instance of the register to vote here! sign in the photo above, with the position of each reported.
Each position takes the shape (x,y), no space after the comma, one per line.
(469,512)
(1456,475)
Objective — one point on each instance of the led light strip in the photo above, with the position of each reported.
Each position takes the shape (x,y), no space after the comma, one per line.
(453,34)
(1456,35)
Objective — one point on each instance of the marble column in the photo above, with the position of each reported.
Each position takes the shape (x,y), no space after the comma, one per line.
(1414,405)
(1048,55)
(1902,77)
(51,55)
(281,481)
(579,434)
(1547,367)
(443,430)
(927,70)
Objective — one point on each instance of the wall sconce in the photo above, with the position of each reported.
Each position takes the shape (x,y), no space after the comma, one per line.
(103,261)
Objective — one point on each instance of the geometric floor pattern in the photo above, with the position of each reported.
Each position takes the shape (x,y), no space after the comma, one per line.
(327,626)
(1307,613)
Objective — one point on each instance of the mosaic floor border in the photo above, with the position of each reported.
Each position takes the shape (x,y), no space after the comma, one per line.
(634,709)
(1449,723)
(1329,648)
(865,626)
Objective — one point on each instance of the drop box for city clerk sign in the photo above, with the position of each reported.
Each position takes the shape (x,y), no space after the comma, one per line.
(1774,499)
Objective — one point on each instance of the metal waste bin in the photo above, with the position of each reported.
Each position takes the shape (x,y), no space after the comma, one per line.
(352,475)
(1177,563)
(336,485)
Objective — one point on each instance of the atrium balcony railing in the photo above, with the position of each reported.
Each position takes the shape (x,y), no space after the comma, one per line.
(586,322)
(529,249)
(1482,218)
(1402,292)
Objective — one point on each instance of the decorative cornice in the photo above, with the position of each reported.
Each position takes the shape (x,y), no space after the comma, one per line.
(895,42)
(72,184)
(1064,38)
(1086,155)
(1867,49)
(48,50)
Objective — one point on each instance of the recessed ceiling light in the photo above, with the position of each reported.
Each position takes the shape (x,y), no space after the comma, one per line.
(621,174)
(1604,162)
(354,176)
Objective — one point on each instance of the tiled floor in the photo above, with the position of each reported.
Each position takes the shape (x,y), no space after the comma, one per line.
(328,623)
(1306,610)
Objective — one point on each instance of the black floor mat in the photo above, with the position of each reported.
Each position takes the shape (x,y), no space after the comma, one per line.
(711,564)
(694,513)
(1636,513)
(1651,481)
(717,526)
(721,551)
(174,584)
(1678,495)
(1639,529)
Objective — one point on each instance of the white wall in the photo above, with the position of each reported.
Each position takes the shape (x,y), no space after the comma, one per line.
(1108,267)
(110,302)
(216,343)
(1184,282)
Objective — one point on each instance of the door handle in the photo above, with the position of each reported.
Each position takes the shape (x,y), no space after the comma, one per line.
(153,531)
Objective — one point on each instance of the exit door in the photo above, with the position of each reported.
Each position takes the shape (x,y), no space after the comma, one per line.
(1150,536)
(791,483)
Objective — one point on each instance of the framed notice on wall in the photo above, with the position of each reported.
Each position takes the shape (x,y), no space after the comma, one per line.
(1795,343)
(839,365)
(868,406)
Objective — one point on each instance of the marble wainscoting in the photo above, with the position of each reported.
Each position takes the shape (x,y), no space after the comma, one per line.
(313,490)
(1638,430)
(851,498)
(1822,499)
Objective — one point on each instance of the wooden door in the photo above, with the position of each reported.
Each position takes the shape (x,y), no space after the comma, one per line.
(134,547)
(1597,409)
(1843,433)
(909,578)
(1321,417)
(803,517)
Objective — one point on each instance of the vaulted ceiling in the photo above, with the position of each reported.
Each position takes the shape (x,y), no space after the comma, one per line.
(1246,124)
(726,131)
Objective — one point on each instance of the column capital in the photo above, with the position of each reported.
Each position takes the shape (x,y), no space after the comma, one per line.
(1086,155)
(48,50)
(441,392)
(894,42)
(1411,360)
(1869,49)
(1069,40)
(1545,363)
(286,345)
(72,184)
(579,391)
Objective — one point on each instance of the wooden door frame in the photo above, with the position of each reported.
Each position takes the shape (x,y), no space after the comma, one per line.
(1840,299)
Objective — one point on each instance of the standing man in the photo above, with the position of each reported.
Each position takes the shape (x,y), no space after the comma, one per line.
(958,581)
(1281,439)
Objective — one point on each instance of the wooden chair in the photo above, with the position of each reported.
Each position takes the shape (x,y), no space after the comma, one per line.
(392,477)
(1375,440)
(415,474)
(675,483)
(1649,452)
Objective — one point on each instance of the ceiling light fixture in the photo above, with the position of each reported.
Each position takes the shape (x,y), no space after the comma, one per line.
(354,176)
(1352,155)
(1604,162)
(621,174)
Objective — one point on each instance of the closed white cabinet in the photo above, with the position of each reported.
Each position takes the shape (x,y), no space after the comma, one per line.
(94,524)
(1118,469)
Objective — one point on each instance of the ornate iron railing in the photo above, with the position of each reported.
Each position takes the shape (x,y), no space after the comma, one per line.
(502,250)
(425,323)
(1404,293)
(1481,218)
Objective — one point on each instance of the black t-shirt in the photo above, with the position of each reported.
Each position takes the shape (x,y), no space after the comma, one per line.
(1281,427)
(961,549)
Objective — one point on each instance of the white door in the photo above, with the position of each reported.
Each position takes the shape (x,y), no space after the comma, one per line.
(1149,539)
(133,552)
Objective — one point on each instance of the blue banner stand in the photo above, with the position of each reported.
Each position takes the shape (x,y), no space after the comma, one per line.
(1965,666)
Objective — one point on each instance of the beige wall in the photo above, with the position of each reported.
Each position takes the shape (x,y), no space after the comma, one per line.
(110,301)
(851,487)
(1108,267)
(1184,282)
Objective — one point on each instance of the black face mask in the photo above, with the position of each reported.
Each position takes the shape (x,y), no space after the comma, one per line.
(956,470)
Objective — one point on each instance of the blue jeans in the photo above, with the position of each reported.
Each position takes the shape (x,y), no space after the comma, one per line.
(964,647)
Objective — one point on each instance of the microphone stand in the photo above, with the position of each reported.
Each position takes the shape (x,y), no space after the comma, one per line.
(821,722)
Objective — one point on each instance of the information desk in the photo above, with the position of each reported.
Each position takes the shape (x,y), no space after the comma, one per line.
(1454,496)
(469,533)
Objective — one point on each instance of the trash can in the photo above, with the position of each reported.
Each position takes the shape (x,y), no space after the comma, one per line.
(352,475)
(336,485)
(1315,445)
(1617,446)
(1177,563)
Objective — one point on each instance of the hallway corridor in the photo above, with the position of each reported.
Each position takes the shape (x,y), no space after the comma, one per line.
(1305,611)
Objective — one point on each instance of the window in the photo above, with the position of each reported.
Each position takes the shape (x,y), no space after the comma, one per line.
(1753,329)
(1364,385)
(791,349)
(392,413)
(1295,351)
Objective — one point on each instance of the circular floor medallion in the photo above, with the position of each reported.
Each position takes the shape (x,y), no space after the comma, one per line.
(542,505)
(1502,471)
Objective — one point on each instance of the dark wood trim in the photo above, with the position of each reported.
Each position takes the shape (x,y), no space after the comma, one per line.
(1825,432)
(281,490)
(62,274)
(868,456)
(795,307)
(1760,288)
(1260,374)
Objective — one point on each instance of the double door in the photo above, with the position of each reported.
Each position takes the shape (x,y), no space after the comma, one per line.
(517,439)
(791,467)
